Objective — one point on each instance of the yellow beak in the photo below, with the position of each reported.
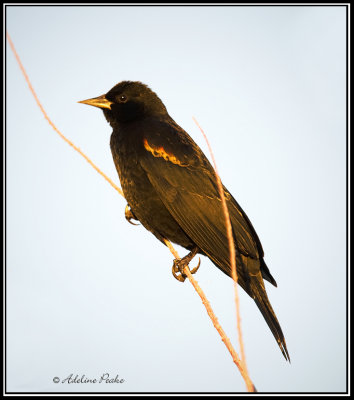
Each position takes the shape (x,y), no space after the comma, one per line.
(100,102)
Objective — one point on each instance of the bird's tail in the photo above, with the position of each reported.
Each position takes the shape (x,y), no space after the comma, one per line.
(261,299)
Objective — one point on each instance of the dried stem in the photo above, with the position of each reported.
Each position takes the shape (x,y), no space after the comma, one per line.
(232,258)
(118,189)
(210,312)
(224,338)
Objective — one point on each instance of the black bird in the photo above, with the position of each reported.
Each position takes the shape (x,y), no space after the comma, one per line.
(171,188)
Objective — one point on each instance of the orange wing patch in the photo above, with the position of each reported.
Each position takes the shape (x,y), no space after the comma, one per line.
(161,152)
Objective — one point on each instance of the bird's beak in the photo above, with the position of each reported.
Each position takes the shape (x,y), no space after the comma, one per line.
(100,102)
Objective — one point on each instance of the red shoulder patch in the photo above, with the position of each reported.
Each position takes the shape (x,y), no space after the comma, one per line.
(161,152)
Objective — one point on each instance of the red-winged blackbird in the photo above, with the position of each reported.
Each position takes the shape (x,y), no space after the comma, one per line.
(171,188)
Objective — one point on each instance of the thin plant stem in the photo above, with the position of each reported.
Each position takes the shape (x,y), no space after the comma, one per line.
(118,189)
(224,337)
(186,270)
(232,257)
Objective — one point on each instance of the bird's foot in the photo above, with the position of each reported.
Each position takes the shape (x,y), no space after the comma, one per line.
(129,215)
(180,263)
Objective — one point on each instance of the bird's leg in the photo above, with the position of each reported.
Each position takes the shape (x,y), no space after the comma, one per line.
(180,263)
(129,215)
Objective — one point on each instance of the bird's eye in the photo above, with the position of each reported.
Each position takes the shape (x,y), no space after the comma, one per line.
(122,98)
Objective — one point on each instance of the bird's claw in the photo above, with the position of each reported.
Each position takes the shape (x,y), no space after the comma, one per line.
(195,269)
(129,215)
(178,266)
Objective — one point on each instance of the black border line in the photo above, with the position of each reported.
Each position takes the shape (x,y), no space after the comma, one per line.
(7,5)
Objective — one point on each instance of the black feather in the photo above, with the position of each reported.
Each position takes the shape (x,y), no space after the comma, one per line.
(171,189)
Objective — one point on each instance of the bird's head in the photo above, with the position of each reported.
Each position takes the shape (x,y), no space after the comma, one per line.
(128,101)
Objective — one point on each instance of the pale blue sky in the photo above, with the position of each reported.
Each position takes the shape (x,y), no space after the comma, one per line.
(87,293)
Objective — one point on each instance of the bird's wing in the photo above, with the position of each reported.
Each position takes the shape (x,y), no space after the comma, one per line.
(186,184)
